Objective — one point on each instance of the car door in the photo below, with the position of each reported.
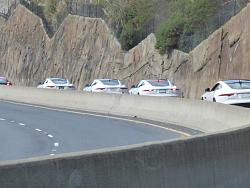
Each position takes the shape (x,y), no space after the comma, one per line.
(210,95)
(140,87)
(94,85)
(135,90)
(45,84)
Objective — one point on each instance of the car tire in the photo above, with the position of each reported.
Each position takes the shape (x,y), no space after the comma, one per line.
(138,93)
(202,98)
(214,100)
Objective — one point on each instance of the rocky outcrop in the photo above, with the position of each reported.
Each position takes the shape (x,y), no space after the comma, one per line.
(84,48)
(224,55)
(81,50)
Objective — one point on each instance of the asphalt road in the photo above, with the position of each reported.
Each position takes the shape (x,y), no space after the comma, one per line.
(27,131)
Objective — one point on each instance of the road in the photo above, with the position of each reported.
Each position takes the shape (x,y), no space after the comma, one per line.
(27,131)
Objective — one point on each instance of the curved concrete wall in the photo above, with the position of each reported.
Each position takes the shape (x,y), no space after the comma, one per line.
(219,160)
(200,115)
(212,161)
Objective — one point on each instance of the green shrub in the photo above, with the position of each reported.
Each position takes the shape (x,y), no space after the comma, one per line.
(168,33)
(187,17)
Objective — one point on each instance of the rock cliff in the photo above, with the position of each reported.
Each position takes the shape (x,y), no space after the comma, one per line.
(84,48)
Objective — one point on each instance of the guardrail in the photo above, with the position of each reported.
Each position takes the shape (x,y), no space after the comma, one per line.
(218,160)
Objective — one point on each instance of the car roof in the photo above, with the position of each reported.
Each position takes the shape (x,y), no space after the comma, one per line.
(56,78)
(106,79)
(235,80)
(158,80)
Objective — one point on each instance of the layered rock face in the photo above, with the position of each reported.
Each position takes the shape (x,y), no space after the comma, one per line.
(81,50)
(84,49)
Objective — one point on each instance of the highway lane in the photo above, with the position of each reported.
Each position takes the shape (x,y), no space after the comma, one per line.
(27,131)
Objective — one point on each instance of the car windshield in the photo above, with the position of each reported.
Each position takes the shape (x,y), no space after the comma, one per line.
(3,80)
(241,84)
(59,81)
(110,82)
(161,83)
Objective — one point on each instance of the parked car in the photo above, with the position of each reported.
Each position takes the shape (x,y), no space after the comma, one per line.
(229,92)
(155,88)
(4,81)
(106,86)
(56,83)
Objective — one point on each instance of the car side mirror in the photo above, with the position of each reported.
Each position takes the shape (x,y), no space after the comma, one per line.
(207,90)
(133,86)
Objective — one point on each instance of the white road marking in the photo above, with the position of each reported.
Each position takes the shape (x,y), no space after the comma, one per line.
(2,119)
(52,154)
(56,144)
(22,124)
(12,121)
(39,130)
(103,116)
(49,135)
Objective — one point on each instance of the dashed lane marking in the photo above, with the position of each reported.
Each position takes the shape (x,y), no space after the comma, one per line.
(56,144)
(103,116)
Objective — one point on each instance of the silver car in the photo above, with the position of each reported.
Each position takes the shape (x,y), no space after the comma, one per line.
(106,86)
(155,88)
(229,92)
(56,83)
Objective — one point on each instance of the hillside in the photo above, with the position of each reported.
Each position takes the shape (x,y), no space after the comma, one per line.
(84,49)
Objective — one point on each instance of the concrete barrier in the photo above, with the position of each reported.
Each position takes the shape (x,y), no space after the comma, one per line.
(199,115)
(211,161)
(219,160)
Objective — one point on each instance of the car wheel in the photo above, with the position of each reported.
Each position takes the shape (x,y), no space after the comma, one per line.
(214,100)
(202,98)
(138,93)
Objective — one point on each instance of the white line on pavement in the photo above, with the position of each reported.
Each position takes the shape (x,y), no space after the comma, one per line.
(99,115)
(56,144)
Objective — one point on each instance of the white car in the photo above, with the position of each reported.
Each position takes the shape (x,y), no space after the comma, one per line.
(155,88)
(229,92)
(56,83)
(106,86)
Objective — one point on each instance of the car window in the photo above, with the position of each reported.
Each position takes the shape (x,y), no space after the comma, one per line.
(3,80)
(59,81)
(161,83)
(141,84)
(94,83)
(239,84)
(110,82)
(216,87)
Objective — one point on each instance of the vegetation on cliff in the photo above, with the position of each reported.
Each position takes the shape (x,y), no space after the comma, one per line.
(186,17)
(131,21)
